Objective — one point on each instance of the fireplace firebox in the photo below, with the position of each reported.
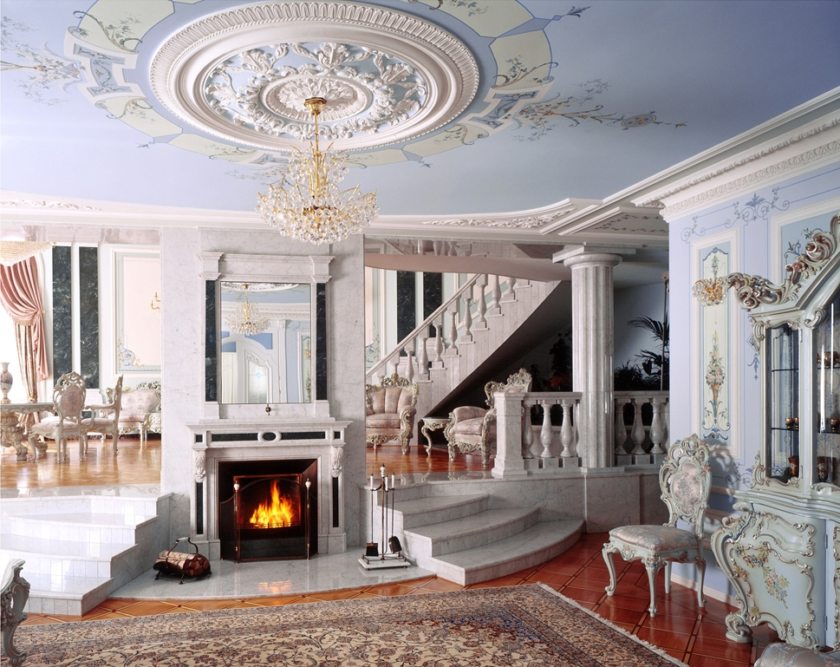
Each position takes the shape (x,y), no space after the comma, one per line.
(268,509)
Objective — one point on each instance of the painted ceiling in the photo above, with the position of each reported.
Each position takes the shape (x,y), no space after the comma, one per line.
(446,107)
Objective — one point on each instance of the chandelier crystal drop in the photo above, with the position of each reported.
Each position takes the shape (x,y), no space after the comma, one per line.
(308,204)
(247,321)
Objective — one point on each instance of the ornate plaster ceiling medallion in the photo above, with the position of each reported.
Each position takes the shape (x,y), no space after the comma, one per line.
(242,74)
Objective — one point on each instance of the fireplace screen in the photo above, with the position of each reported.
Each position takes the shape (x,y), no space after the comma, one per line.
(268,514)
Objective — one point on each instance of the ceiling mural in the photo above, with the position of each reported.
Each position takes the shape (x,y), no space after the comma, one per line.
(447,107)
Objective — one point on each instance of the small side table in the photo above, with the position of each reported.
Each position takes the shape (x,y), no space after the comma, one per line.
(432,424)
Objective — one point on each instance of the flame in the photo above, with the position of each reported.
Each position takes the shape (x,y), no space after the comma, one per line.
(279,513)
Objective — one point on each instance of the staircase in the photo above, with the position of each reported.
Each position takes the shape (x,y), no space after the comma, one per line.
(469,327)
(78,549)
(466,539)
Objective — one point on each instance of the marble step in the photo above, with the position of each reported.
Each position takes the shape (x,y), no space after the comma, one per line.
(63,564)
(468,532)
(73,596)
(537,544)
(437,509)
(74,527)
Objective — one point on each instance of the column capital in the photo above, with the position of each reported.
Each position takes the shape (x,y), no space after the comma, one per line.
(590,255)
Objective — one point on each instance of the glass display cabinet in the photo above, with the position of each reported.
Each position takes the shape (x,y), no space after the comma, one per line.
(781,547)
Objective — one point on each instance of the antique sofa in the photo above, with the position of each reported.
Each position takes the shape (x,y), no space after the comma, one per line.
(140,410)
(390,409)
(473,428)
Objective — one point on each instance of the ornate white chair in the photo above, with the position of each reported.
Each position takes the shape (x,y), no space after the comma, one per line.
(106,418)
(685,480)
(138,406)
(68,401)
(473,428)
(390,408)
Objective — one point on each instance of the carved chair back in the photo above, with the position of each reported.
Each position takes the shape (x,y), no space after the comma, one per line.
(69,397)
(391,395)
(685,480)
(519,381)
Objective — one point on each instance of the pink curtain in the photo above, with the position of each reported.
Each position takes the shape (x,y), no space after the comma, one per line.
(20,295)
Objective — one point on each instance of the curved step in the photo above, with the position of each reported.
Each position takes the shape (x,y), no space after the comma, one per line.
(435,509)
(469,532)
(539,543)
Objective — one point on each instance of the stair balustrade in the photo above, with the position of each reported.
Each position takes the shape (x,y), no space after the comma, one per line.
(638,442)
(410,356)
(523,447)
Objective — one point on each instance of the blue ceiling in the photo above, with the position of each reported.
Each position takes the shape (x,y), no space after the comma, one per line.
(630,87)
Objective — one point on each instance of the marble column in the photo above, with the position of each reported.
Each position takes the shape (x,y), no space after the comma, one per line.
(592,344)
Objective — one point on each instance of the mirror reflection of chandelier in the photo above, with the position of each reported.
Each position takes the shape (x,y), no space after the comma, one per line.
(247,320)
(307,204)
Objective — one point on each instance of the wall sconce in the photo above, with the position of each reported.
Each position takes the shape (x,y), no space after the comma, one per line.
(154,304)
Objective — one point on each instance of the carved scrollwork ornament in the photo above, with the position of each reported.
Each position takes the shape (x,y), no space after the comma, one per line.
(199,465)
(337,461)
(813,318)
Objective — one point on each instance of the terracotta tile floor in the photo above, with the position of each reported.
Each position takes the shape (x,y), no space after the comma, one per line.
(681,629)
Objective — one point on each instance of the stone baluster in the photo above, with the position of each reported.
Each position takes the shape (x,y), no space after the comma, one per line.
(481,303)
(467,336)
(657,429)
(637,431)
(423,360)
(496,295)
(510,295)
(566,432)
(528,433)
(547,461)
(438,362)
(453,331)
(545,430)
(409,363)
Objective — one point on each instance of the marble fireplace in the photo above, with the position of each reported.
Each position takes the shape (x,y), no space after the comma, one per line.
(290,452)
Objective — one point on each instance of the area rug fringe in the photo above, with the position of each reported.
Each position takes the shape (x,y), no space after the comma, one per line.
(613,626)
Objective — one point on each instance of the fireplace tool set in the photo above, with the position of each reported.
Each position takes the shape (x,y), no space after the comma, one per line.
(376,557)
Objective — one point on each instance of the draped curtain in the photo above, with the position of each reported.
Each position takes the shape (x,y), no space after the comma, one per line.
(20,295)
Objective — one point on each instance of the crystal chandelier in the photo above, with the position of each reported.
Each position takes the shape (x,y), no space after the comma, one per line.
(247,320)
(308,204)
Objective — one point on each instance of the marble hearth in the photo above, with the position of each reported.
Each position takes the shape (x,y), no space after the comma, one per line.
(229,440)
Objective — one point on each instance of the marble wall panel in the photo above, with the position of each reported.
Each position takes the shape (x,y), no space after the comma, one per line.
(62,338)
(406,303)
(321,393)
(89,315)
(210,352)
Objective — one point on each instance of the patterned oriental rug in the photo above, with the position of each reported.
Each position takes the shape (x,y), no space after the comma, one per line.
(517,626)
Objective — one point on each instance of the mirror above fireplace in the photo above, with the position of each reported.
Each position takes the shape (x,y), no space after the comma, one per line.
(265,336)
(266,342)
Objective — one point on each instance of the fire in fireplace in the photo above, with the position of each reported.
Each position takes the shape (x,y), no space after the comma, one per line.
(268,509)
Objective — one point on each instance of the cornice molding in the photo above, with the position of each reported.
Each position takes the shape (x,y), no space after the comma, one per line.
(770,161)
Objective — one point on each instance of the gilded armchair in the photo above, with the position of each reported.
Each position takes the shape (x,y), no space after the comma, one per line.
(473,428)
(390,409)
(685,480)
(68,401)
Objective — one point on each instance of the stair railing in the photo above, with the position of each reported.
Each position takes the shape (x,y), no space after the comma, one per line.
(411,353)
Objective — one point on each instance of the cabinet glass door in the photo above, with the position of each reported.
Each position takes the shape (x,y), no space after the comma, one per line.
(827,395)
(783,394)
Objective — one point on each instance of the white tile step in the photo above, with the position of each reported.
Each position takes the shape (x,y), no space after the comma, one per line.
(468,532)
(30,544)
(435,509)
(59,563)
(538,544)
(101,519)
(74,596)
